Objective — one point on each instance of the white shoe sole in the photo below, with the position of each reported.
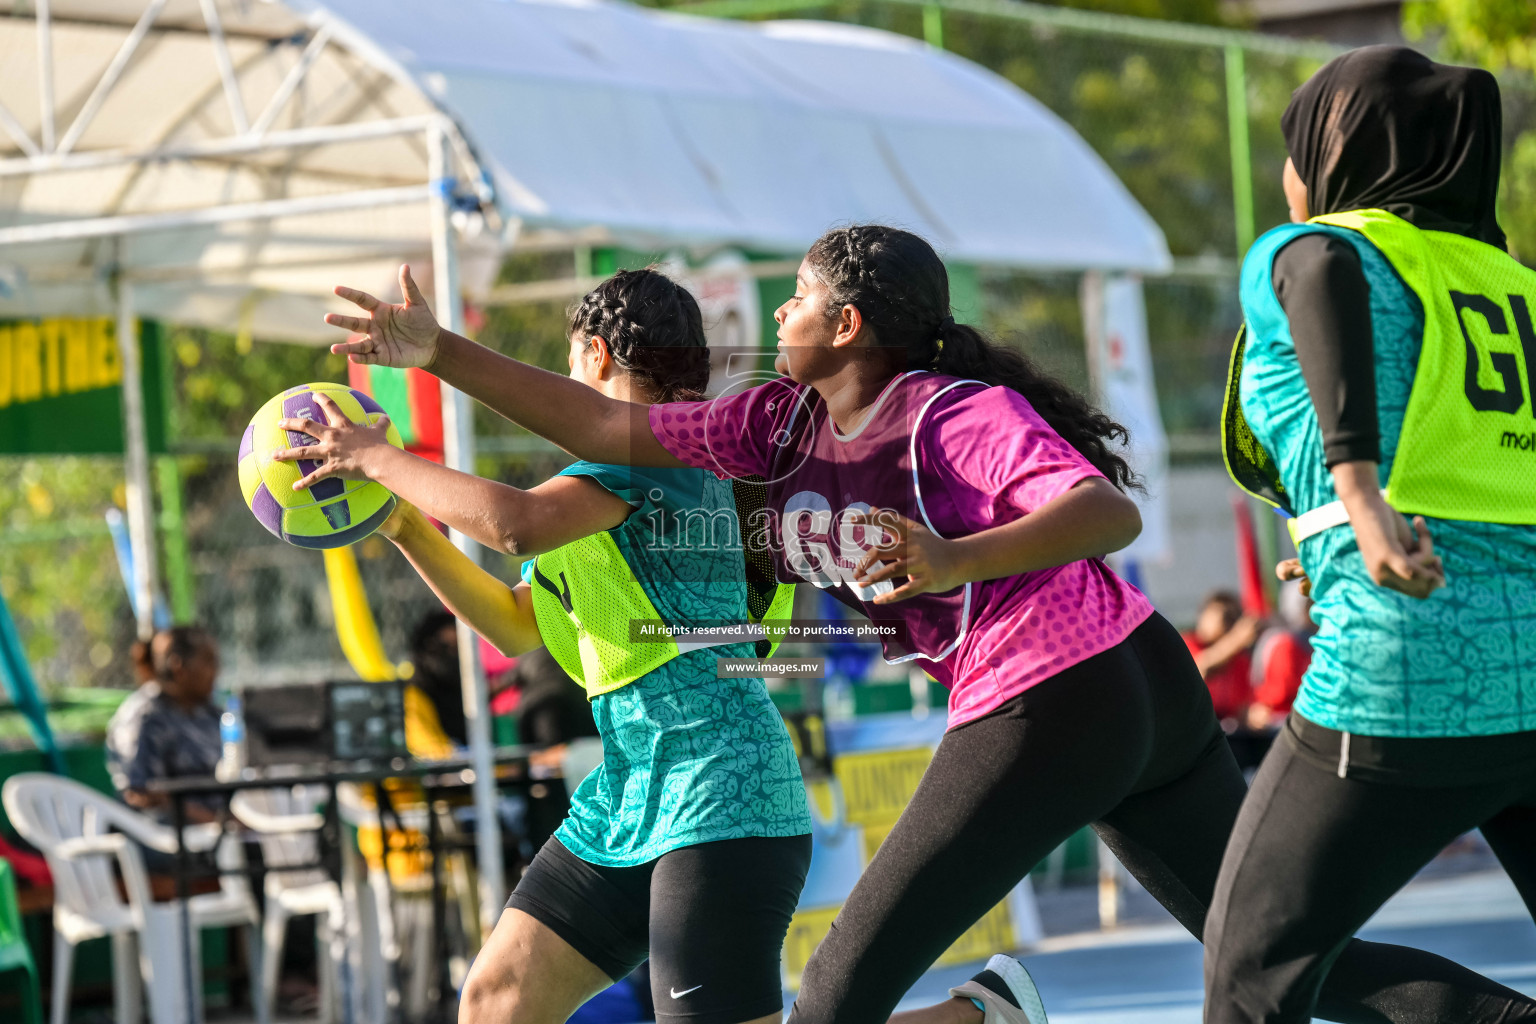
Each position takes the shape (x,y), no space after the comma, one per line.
(1020,984)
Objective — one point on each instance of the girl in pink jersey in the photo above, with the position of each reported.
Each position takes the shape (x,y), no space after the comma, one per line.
(962,500)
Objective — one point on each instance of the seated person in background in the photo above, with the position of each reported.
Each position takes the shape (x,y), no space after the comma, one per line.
(169,728)
(1280,659)
(1220,643)
(142,657)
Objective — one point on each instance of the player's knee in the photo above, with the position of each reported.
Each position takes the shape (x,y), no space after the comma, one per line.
(489,1001)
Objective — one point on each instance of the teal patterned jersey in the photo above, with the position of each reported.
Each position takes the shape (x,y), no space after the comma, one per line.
(1463,662)
(687,758)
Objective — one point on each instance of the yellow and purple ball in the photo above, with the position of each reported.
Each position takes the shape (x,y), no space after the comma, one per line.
(333,512)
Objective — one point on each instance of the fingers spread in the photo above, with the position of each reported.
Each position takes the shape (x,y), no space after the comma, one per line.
(354,343)
(319,474)
(408,288)
(357,297)
(333,414)
(356,324)
(303,425)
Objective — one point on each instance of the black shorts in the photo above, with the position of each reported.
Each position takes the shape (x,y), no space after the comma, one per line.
(711,917)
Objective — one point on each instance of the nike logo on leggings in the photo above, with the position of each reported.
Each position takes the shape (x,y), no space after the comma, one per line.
(678,995)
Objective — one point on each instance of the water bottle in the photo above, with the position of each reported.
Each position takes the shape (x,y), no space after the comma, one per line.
(232,735)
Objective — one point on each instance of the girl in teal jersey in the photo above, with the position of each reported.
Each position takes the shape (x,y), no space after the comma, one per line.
(1417,718)
(691,841)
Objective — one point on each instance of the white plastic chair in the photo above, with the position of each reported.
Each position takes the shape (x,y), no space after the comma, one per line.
(287,826)
(81,832)
(403,901)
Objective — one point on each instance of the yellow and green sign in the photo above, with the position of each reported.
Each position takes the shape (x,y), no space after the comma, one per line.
(61,384)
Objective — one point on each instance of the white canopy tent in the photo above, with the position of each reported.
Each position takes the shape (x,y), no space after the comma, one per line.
(234,158)
(223,162)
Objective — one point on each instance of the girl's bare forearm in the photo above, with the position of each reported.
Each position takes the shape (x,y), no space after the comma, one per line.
(583,421)
(501,517)
(1089,521)
(490,607)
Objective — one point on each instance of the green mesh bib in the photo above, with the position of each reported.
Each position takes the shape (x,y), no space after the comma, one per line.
(1468,447)
(1249,465)
(1468,444)
(586,596)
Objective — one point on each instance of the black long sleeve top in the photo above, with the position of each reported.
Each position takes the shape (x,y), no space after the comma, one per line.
(1323,290)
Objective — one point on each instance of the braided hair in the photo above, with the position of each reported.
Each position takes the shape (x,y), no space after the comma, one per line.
(653,328)
(901,289)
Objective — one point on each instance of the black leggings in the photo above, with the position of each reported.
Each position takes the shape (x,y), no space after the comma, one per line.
(1127,741)
(1313,856)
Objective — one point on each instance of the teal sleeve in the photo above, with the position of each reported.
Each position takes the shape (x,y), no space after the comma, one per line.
(646,487)
(625,482)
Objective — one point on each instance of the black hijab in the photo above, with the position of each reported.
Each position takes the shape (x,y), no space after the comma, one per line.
(1384,127)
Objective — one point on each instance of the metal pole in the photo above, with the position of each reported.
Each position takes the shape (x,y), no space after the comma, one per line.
(933,26)
(173,528)
(459,453)
(141,514)
(1242,155)
(45,73)
(266,209)
(1090,294)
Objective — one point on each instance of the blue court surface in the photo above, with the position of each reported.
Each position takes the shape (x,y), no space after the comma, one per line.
(1150,973)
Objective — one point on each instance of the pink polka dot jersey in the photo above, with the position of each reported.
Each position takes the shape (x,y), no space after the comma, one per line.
(957,455)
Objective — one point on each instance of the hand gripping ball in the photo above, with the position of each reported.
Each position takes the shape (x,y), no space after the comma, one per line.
(334,512)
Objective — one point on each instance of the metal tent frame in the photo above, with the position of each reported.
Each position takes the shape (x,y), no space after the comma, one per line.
(282,132)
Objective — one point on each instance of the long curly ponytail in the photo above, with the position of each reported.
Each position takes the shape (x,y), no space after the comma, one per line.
(900,287)
(653,328)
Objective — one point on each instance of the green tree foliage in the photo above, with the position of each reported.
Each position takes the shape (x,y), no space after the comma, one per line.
(1499,35)
(1199,12)
(57,568)
(57,563)
(1489,33)
(219,381)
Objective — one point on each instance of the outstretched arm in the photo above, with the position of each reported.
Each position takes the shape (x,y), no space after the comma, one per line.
(505,518)
(501,614)
(584,422)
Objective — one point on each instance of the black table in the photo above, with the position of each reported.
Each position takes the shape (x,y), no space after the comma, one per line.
(434,776)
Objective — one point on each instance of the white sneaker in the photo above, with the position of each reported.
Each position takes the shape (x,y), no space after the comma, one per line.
(1021,1005)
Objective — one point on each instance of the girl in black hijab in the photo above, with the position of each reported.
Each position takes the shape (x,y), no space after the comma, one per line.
(1385,127)
(1417,718)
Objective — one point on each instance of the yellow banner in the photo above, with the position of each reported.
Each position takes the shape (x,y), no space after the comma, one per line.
(806,930)
(57,356)
(992,934)
(878,785)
